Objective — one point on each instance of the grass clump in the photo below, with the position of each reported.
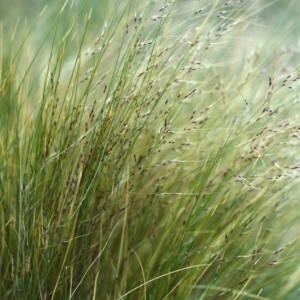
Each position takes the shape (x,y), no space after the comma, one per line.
(156,159)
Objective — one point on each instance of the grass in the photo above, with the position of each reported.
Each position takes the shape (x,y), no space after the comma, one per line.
(150,152)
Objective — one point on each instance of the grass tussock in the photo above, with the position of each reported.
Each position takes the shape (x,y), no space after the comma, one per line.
(149,152)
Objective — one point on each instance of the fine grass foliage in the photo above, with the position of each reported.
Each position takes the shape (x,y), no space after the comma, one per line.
(149,150)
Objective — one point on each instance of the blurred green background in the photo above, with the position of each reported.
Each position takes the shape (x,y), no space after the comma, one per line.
(276,12)
(29,8)
(13,10)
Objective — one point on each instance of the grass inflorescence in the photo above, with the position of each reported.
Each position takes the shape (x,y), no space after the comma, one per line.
(149,152)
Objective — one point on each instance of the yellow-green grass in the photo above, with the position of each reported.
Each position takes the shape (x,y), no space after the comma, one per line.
(149,152)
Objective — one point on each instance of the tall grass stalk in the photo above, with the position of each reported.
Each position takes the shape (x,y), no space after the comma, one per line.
(149,151)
